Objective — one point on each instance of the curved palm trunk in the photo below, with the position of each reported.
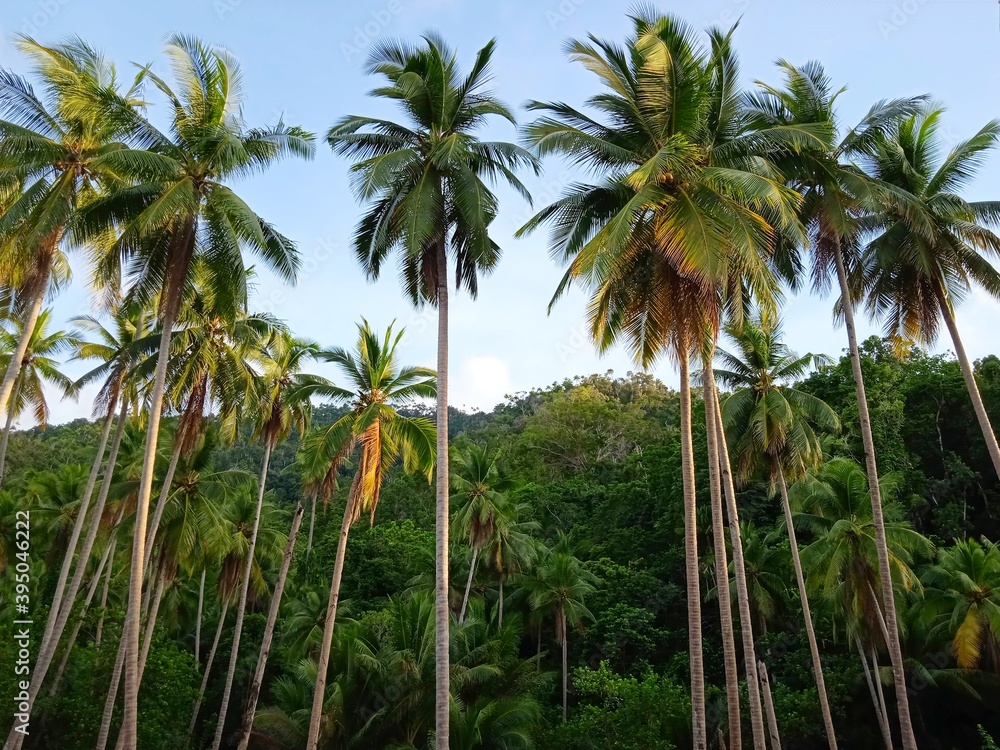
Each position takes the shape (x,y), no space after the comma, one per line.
(885,574)
(208,669)
(500,611)
(739,573)
(109,702)
(197,627)
(104,594)
(691,562)
(94,583)
(824,701)
(772,720)
(970,379)
(272,619)
(130,637)
(62,600)
(161,503)
(722,571)
(442,610)
(43,270)
(4,440)
(468,584)
(330,622)
(241,610)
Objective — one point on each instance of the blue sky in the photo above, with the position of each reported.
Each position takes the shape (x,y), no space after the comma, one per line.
(302,60)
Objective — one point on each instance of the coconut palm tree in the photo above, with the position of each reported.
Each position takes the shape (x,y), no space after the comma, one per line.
(560,587)
(481,505)
(37,368)
(964,586)
(835,194)
(832,503)
(770,424)
(281,406)
(187,216)
(914,277)
(374,427)
(686,208)
(62,147)
(427,186)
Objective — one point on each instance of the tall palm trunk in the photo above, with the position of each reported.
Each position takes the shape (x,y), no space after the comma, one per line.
(880,713)
(312,524)
(468,583)
(109,701)
(4,440)
(739,573)
(565,669)
(800,580)
(330,622)
(970,378)
(62,600)
(42,272)
(772,720)
(130,636)
(234,656)
(272,619)
(208,669)
(691,560)
(500,610)
(161,503)
(104,593)
(885,573)
(197,627)
(722,570)
(94,583)
(442,609)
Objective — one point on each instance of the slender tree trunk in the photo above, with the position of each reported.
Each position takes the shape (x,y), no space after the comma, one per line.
(800,580)
(739,573)
(208,669)
(197,627)
(722,568)
(312,524)
(880,716)
(272,619)
(691,561)
(104,594)
(4,440)
(94,583)
(161,503)
(130,636)
(883,706)
(241,609)
(468,584)
(565,670)
(772,720)
(885,573)
(970,379)
(62,600)
(43,270)
(109,702)
(538,651)
(500,611)
(442,608)
(330,622)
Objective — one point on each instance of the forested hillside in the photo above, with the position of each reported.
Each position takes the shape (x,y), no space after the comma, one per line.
(592,467)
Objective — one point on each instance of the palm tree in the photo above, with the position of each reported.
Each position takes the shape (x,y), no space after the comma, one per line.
(964,586)
(686,205)
(62,147)
(842,561)
(187,216)
(36,369)
(915,275)
(835,193)
(282,406)
(481,505)
(379,388)
(428,200)
(770,426)
(560,587)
